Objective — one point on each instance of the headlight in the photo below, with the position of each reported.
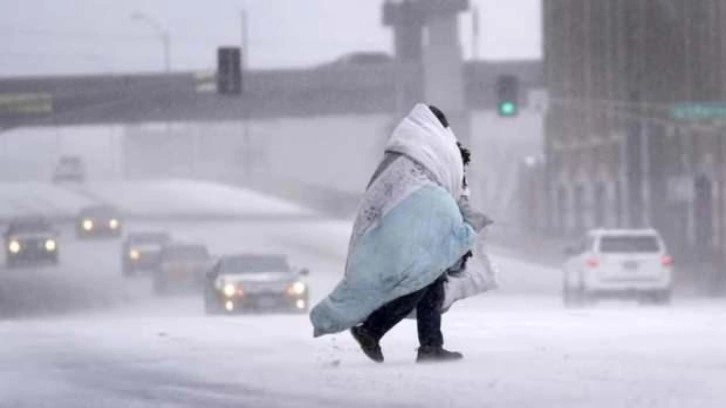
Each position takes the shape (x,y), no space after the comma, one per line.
(300,304)
(14,246)
(297,288)
(87,224)
(50,245)
(229,290)
(113,223)
(134,254)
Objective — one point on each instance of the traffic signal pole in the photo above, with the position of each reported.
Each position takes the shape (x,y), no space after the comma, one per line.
(507,88)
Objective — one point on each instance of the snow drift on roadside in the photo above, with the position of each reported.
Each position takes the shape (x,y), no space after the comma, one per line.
(188,198)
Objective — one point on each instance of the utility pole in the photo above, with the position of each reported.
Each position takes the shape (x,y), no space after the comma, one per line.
(244,37)
(475,32)
(246,137)
(163,34)
(166,40)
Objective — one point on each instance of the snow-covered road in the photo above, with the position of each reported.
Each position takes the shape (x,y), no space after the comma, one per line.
(520,351)
(522,348)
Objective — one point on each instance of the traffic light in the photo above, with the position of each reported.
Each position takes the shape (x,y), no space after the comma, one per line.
(507,96)
(229,71)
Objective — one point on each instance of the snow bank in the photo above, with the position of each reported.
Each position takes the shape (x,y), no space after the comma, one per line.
(187,198)
(32,198)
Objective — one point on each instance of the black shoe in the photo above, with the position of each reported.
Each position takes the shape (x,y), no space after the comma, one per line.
(368,343)
(429,354)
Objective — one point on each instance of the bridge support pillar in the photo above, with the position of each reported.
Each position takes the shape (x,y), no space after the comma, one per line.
(426,32)
(443,67)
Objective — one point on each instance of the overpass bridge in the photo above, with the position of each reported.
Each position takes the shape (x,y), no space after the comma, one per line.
(326,90)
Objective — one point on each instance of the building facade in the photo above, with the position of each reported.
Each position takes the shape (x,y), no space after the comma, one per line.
(618,152)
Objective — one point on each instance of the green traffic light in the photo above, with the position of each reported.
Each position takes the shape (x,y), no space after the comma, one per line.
(507,109)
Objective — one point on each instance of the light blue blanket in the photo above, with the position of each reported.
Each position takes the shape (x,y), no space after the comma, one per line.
(410,247)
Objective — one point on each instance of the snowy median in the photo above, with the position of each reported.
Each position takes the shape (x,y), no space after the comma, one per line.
(180,199)
(157,199)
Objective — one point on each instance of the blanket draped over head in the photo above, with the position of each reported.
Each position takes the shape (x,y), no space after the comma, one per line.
(409,228)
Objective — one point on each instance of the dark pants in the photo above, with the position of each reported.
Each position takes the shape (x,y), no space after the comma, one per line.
(427,302)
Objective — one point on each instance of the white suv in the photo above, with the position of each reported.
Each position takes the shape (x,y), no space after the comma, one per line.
(618,263)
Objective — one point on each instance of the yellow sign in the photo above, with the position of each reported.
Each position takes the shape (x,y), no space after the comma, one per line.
(205,81)
(26,103)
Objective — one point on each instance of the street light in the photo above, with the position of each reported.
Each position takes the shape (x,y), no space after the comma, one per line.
(161,31)
(245,36)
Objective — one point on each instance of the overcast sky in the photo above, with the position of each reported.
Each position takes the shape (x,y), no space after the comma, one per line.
(85,36)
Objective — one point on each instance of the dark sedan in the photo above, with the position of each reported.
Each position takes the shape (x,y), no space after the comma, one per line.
(30,241)
(98,221)
(141,251)
(181,268)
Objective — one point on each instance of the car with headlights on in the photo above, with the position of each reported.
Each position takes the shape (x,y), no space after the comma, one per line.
(618,263)
(182,267)
(239,283)
(30,241)
(141,251)
(98,221)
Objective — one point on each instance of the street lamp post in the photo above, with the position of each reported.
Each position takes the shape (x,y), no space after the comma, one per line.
(163,34)
(244,36)
(247,154)
(167,50)
(165,38)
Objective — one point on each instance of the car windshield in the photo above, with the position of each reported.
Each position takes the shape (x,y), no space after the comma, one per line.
(629,244)
(70,160)
(148,239)
(29,226)
(186,253)
(147,246)
(100,212)
(254,264)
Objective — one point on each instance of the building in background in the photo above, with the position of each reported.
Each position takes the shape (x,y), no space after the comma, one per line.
(632,135)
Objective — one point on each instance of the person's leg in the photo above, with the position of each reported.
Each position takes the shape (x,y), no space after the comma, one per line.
(428,315)
(369,333)
(390,314)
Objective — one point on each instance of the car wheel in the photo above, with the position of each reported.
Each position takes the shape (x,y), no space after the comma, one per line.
(661,298)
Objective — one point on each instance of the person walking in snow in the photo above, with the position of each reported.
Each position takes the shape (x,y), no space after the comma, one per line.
(412,226)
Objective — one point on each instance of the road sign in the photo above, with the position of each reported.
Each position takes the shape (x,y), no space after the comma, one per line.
(26,103)
(698,111)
